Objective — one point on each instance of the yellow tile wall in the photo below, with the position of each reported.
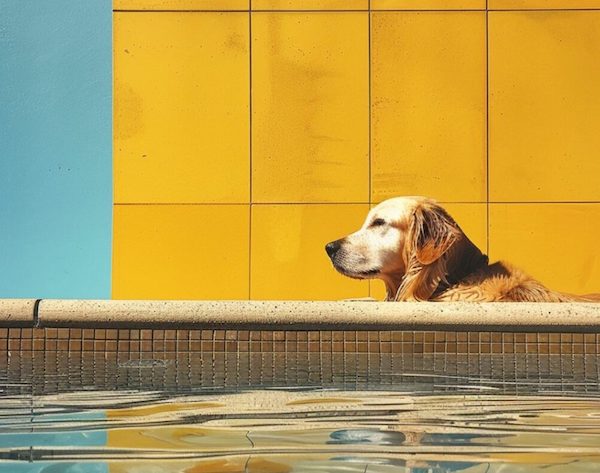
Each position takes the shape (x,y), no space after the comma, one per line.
(249,133)
(288,249)
(428,4)
(183,5)
(429,105)
(181,121)
(180,251)
(310,107)
(544,137)
(558,243)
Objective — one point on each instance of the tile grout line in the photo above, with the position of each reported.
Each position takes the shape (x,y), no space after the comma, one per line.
(370,185)
(487,126)
(250,149)
(442,202)
(120,10)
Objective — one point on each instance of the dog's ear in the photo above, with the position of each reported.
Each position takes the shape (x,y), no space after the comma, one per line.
(432,233)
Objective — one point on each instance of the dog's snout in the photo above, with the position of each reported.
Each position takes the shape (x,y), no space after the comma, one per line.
(332,248)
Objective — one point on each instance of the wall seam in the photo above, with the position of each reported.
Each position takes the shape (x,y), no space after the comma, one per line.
(250,150)
(487,126)
(370,132)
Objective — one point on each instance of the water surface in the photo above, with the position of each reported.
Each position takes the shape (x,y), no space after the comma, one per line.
(319,412)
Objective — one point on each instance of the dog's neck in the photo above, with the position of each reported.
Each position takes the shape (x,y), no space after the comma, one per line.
(392,284)
(463,259)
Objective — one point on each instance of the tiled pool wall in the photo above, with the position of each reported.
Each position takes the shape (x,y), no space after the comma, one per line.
(49,346)
(137,342)
(43,361)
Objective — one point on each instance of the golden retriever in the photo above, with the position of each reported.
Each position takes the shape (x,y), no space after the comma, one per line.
(421,254)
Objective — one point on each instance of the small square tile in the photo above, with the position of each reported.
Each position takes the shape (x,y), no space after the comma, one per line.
(170,334)
(62,333)
(182,335)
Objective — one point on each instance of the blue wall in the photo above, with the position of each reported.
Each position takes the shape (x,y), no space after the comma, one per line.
(55,148)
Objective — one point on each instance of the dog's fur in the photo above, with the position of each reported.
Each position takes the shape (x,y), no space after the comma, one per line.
(421,254)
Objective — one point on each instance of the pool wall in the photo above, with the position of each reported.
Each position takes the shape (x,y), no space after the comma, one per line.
(165,345)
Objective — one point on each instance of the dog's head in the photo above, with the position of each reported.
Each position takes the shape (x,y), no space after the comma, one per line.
(411,243)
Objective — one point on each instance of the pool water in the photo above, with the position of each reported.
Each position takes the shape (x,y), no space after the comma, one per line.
(319,412)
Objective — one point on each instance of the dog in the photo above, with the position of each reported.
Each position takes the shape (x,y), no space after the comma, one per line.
(421,254)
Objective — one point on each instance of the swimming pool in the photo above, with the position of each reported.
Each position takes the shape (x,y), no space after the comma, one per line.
(164,399)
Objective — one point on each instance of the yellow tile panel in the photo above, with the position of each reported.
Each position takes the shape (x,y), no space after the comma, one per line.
(224,464)
(428,4)
(175,438)
(429,105)
(542,4)
(310,4)
(310,107)
(180,252)
(472,218)
(555,243)
(181,118)
(544,106)
(288,251)
(159,5)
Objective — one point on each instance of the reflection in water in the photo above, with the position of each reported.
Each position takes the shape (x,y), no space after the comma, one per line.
(261,412)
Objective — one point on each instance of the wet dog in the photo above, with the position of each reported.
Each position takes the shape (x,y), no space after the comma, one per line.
(421,254)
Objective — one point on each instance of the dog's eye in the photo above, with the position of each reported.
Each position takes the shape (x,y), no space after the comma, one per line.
(378,222)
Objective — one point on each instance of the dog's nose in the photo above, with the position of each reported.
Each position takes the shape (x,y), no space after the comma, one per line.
(332,248)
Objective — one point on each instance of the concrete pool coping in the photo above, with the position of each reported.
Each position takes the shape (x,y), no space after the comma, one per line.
(301,315)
